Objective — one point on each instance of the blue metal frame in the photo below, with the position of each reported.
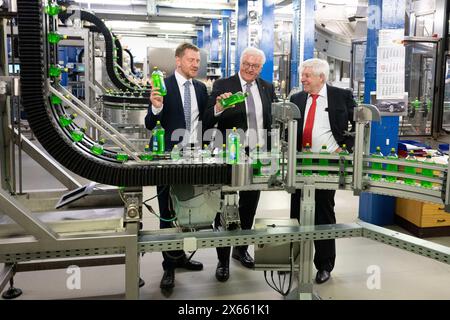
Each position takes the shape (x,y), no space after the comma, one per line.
(308,30)
(200,38)
(207,40)
(389,14)
(267,38)
(214,50)
(295,43)
(226,53)
(242,31)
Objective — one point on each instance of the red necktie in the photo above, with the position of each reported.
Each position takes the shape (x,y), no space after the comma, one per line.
(307,130)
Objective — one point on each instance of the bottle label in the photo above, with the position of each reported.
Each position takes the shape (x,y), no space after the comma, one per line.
(155,144)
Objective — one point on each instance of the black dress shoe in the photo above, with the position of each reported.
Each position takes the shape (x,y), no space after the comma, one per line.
(190,265)
(244,257)
(322,276)
(168,279)
(223,271)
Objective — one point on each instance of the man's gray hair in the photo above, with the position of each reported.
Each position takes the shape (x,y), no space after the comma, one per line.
(318,67)
(254,52)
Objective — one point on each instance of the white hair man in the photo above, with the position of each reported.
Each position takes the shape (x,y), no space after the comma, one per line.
(326,112)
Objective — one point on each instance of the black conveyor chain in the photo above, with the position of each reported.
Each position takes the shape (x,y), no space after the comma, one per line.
(109,42)
(132,68)
(34,101)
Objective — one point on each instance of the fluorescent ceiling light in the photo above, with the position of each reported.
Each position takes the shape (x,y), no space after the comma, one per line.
(109,2)
(288,9)
(120,24)
(175,26)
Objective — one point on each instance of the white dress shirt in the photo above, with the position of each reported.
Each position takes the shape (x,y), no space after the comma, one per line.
(321,134)
(194,105)
(258,110)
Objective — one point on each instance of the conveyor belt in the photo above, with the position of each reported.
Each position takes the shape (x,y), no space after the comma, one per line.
(121,82)
(132,68)
(69,154)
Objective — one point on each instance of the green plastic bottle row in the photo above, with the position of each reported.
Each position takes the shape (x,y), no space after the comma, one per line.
(407,169)
(322,162)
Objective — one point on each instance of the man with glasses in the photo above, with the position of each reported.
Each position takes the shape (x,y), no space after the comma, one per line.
(253,116)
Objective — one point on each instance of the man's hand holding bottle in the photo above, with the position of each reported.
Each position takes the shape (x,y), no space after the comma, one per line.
(155,97)
(219,107)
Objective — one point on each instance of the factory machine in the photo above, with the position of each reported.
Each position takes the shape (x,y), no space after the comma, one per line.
(201,186)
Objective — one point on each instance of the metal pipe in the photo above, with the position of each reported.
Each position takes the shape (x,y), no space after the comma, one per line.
(125,145)
(53,167)
(24,218)
(292,159)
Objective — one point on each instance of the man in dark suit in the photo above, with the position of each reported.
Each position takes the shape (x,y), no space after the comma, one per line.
(182,108)
(326,113)
(253,116)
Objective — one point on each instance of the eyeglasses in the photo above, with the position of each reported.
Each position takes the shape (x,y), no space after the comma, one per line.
(247,65)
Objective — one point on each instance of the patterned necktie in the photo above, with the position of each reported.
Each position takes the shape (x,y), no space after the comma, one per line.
(187,105)
(307,130)
(251,115)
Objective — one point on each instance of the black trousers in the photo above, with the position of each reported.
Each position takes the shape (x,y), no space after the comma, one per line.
(325,250)
(171,258)
(248,203)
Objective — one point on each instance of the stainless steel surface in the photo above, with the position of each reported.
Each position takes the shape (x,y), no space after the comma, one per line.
(406,242)
(276,256)
(241,174)
(305,276)
(54,168)
(362,116)
(22,216)
(132,257)
(5,275)
(284,111)
(366,112)
(69,221)
(292,152)
(124,115)
(98,122)
(151,242)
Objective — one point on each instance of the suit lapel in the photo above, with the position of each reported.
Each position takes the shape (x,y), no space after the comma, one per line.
(303,98)
(199,98)
(265,101)
(331,106)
